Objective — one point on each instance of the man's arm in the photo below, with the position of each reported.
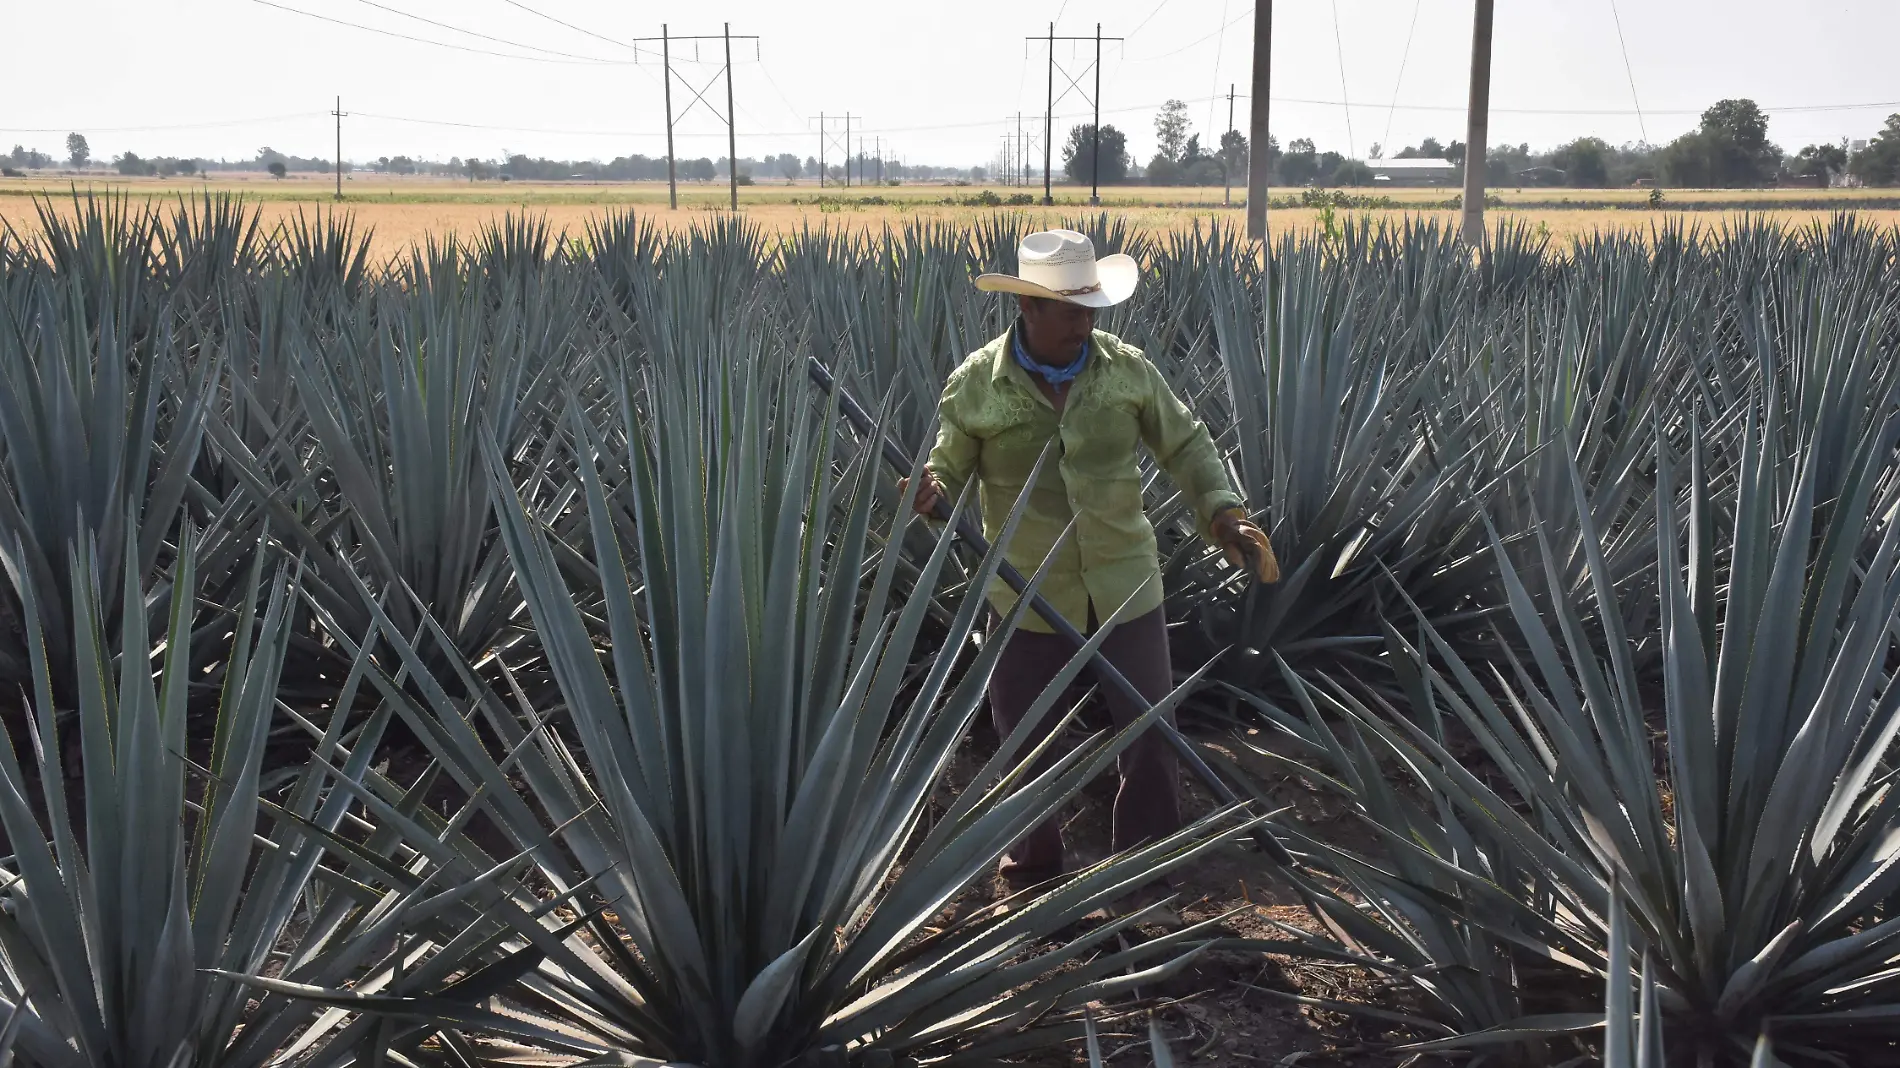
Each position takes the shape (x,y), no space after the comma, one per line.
(953,458)
(1185,450)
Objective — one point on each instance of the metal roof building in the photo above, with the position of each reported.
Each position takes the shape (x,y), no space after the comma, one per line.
(1413,171)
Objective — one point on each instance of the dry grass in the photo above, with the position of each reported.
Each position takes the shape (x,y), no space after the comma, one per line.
(404,210)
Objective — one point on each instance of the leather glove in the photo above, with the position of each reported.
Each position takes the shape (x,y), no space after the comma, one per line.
(1246,545)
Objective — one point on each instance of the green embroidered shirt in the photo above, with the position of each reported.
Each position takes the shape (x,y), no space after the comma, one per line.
(993,424)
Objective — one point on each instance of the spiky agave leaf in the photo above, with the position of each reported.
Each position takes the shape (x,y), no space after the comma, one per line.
(1758,862)
(761,757)
(99,420)
(118,913)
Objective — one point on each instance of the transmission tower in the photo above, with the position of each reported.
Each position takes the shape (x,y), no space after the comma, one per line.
(1095,101)
(827,139)
(666,40)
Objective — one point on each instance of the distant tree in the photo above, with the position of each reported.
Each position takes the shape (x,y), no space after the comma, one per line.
(1455,152)
(277,168)
(1585,162)
(400,165)
(1300,164)
(78,151)
(1078,155)
(1426,149)
(789,166)
(1233,155)
(1729,149)
(1171,130)
(701,170)
(1205,170)
(131,165)
(1351,172)
(21,156)
(1819,163)
(1879,162)
(977,174)
(811,165)
(1163,171)
(1377,151)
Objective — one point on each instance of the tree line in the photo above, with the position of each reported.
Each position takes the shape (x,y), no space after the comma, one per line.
(1729,148)
(863,167)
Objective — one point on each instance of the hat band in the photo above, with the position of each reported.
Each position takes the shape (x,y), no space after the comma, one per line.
(1096,288)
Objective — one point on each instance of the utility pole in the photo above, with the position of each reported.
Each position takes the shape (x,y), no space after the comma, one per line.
(699,97)
(847,151)
(1095,168)
(1477,122)
(1049,116)
(672,174)
(1226,178)
(1258,162)
(878,147)
(339,113)
(826,139)
(732,127)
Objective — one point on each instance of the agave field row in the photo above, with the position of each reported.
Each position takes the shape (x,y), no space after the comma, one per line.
(1591,615)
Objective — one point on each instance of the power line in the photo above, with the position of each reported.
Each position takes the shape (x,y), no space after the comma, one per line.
(773,82)
(1219,47)
(1150,18)
(168,126)
(1352,150)
(1629,71)
(1399,82)
(425,40)
(482,36)
(1196,42)
(990,122)
(577,29)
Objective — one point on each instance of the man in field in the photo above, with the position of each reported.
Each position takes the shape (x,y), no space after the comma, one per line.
(1053,375)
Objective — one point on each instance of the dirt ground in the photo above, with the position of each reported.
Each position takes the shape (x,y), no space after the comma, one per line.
(1226,1009)
(404,211)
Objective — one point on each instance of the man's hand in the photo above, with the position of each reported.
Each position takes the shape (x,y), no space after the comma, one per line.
(928,493)
(1246,545)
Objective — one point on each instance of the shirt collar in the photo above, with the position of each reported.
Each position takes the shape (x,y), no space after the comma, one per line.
(1004,366)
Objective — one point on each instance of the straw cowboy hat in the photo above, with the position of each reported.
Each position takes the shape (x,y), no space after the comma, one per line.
(1061,265)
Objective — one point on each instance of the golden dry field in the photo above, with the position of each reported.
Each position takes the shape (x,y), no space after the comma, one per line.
(405,210)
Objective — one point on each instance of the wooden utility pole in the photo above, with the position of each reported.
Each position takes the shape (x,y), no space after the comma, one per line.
(732,125)
(672,173)
(1049,120)
(1227,179)
(821,150)
(847,151)
(1049,117)
(699,97)
(339,113)
(1258,162)
(1477,123)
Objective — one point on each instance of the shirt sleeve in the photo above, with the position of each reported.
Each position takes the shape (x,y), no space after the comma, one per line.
(953,458)
(1186,451)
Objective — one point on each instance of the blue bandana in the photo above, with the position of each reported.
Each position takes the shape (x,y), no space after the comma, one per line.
(1055,376)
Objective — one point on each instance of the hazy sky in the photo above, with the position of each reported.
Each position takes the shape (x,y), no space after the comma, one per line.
(940,83)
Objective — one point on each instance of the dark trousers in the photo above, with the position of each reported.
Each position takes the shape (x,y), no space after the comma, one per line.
(1146,805)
